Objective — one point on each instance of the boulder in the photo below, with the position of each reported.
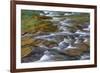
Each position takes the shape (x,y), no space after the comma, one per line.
(26,41)
(25,51)
(73,52)
(83,47)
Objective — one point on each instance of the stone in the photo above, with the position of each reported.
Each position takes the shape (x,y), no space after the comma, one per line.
(83,47)
(25,51)
(26,41)
(73,52)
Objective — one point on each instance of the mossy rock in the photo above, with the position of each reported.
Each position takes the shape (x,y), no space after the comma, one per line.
(25,51)
(26,41)
(37,42)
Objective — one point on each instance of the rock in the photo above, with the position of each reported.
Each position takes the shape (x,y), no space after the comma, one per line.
(73,52)
(50,44)
(35,55)
(45,17)
(26,41)
(38,50)
(37,42)
(83,47)
(39,33)
(25,51)
(79,49)
(61,57)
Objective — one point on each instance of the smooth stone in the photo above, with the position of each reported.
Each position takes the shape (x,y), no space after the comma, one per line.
(73,52)
(83,47)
